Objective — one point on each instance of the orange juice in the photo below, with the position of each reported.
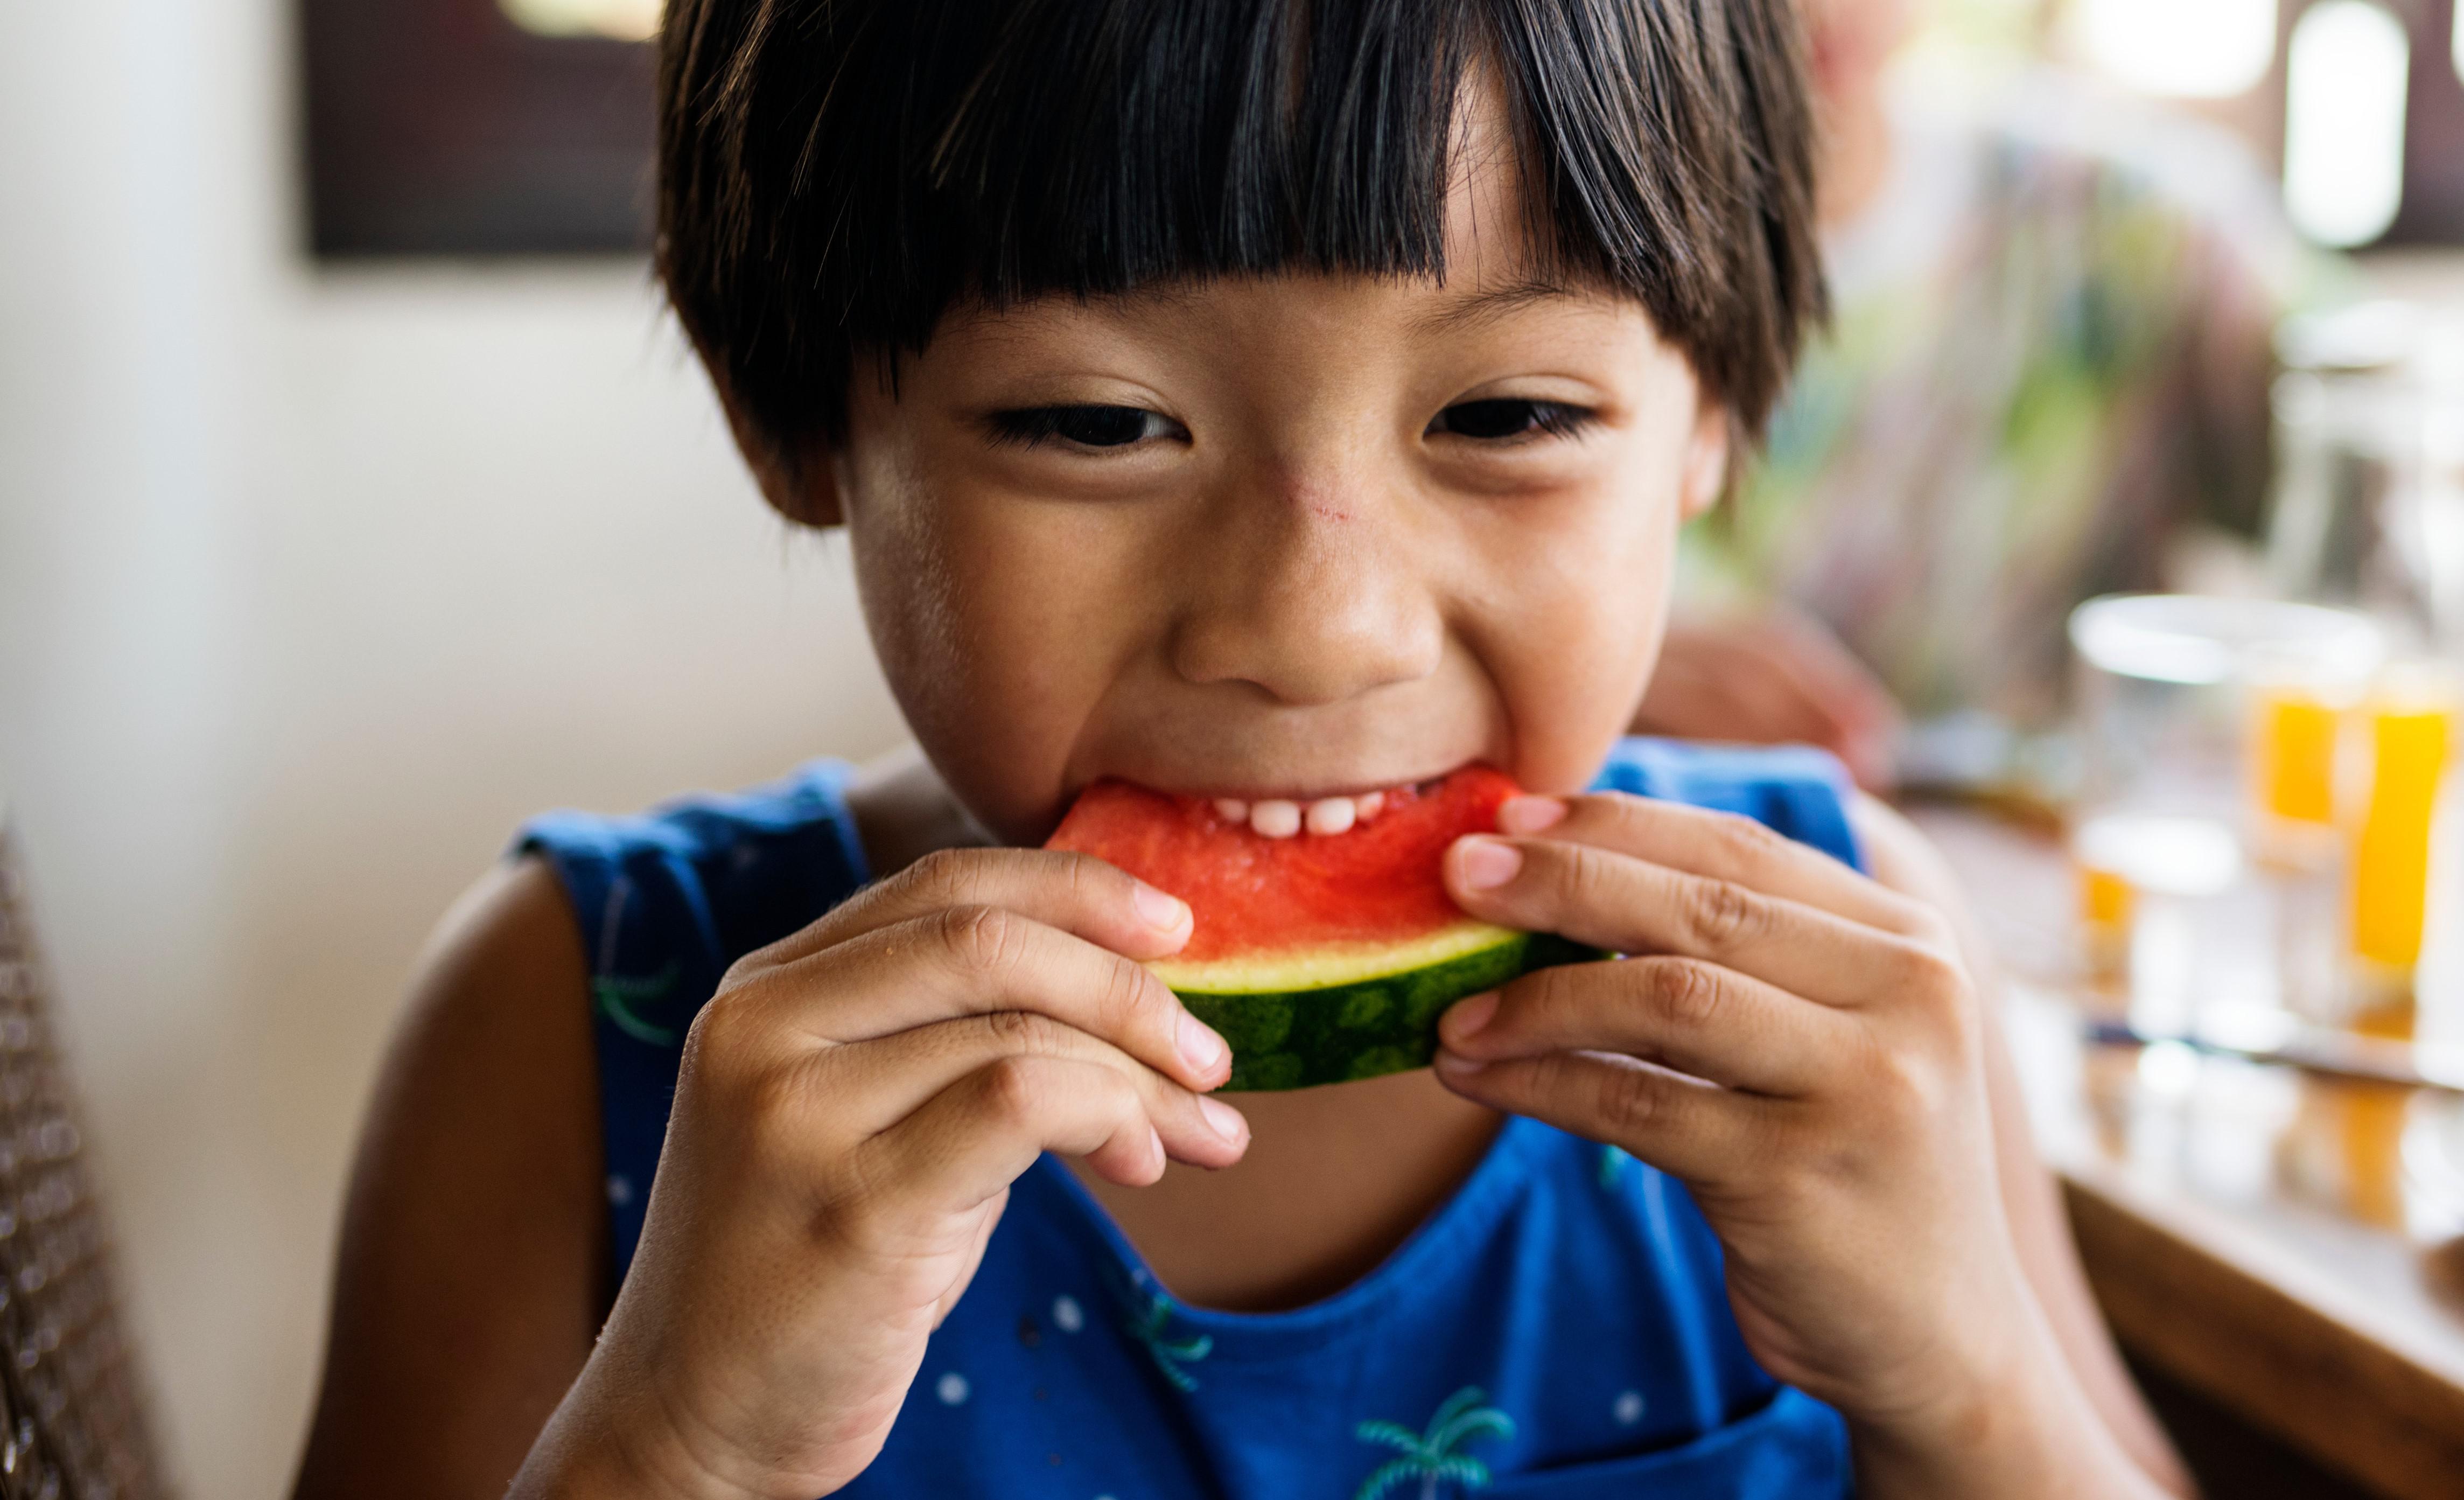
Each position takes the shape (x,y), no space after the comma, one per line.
(2409,737)
(2106,897)
(2108,903)
(2293,751)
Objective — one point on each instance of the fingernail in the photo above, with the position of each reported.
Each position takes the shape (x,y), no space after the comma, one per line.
(1487,864)
(1165,913)
(1530,814)
(1223,1119)
(1199,1047)
(1459,1065)
(1469,1016)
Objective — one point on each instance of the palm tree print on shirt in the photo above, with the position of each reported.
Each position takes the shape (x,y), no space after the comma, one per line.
(1429,1454)
(1146,1313)
(620,998)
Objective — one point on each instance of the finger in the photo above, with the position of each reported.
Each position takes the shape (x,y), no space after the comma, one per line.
(1695,1017)
(1616,901)
(1077,894)
(1786,703)
(880,1083)
(1715,683)
(991,1213)
(976,960)
(1721,846)
(975,1137)
(1864,717)
(1694,1129)
(1822,718)
(1846,686)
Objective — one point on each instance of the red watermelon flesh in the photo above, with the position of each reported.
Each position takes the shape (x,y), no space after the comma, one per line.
(1379,882)
(1320,958)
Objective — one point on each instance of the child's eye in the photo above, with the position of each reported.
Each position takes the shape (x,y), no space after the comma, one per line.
(1088,427)
(1506,417)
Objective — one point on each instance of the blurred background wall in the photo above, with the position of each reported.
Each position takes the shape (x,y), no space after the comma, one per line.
(312,585)
(314,580)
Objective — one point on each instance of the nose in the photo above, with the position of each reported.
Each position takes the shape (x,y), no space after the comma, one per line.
(1313,587)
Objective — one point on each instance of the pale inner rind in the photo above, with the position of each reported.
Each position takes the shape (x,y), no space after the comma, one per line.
(1323,968)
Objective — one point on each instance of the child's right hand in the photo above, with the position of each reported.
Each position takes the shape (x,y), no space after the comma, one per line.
(854,1103)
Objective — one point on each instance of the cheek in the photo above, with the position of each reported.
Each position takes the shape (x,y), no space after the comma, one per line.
(989,610)
(1570,620)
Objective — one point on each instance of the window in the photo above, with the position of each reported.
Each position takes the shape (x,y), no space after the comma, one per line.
(624,20)
(2363,98)
(2181,49)
(2346,72)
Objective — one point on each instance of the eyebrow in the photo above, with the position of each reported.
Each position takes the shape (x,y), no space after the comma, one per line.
(1495,302)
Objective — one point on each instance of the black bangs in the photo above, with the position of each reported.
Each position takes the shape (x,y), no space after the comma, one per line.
(1108,144)
(836,175)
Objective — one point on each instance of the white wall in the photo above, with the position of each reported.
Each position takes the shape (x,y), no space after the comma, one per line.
(309,588)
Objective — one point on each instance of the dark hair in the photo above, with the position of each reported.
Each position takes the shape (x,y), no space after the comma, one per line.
(835,174)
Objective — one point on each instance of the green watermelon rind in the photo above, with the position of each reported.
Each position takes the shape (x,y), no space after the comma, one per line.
(1365,1028)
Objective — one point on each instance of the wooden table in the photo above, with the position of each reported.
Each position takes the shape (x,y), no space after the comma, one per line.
(2289,1246)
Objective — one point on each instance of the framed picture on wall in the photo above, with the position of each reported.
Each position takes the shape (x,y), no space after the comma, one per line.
(476,127)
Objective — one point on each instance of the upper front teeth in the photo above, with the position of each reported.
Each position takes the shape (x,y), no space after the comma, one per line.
(1332,815)
(1280,818)
(1276,818)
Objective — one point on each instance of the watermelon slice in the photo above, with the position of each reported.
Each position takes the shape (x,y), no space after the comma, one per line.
(1321,958)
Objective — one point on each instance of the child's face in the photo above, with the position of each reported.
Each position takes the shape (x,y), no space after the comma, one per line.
(1291,537)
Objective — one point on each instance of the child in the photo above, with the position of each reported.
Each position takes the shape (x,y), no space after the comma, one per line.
(1255,401)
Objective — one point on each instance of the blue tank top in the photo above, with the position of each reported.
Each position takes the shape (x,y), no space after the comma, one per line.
(1558,1329)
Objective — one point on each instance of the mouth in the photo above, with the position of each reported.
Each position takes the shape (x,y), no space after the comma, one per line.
(1323,816)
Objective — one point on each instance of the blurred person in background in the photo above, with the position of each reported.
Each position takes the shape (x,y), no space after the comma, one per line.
(2046,378)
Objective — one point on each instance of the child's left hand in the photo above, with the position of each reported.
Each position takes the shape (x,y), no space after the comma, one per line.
(1798,1044)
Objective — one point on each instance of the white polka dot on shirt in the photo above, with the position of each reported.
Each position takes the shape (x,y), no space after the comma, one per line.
(951,1388)
(1066,1315)
(619,1190)
(1628,1409)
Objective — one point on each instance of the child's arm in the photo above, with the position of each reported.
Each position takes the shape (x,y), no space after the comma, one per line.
(1892,1245)
(472,1268)
(1903,859)
(853,1103)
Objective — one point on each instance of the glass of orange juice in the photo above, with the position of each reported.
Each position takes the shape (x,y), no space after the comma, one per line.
(2412,723)
(2203,724)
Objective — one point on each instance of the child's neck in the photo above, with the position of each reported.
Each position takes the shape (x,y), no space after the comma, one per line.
(1334,1179)
(904,811)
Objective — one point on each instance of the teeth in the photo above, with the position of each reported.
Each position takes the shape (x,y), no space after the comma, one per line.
(1331,815)
(1275,818)
(1283,817)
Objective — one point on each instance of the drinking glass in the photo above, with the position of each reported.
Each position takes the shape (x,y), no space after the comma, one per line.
(2211,736)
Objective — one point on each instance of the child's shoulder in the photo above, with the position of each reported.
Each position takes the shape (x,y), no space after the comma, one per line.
(472,1242)
(1797,790)
(667,898)
(1803,792)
